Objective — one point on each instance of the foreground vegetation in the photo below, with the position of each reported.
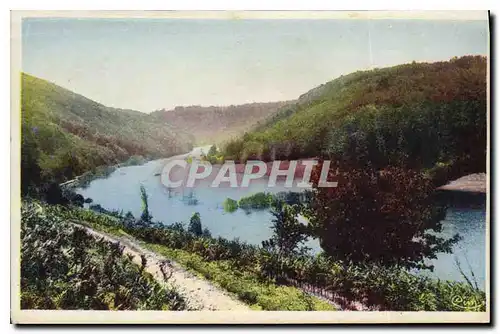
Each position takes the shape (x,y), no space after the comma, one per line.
(253,272)
(63,267)
(381,221)
(246,285)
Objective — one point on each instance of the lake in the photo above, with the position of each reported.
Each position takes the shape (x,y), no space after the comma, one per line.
(120,191)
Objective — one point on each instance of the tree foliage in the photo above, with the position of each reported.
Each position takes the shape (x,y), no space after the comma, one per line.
(288,232)
(146,217)
(64,267)
(195,225)
(64,134)
(212,151)
(388,217)
(384,117)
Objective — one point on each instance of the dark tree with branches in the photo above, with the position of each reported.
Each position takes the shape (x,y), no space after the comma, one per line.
(288,232)
(195,225)
(388,216)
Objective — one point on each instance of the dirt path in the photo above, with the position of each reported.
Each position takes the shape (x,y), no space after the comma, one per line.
(199,293)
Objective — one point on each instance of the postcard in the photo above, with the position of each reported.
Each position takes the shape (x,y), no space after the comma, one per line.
(210,167)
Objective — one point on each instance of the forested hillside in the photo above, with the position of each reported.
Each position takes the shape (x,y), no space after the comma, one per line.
(418,115)
(65,134)
(213,124)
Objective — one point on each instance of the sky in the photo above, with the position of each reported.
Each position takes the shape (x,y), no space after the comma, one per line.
(148,64)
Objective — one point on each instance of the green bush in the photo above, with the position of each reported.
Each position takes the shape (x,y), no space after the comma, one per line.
(244,269)
(397,290)
(257,201)
(63,267)
(244,285)
(230,205)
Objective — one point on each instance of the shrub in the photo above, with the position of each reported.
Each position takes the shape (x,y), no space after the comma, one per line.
(63,267)
(230,205)
(145,215)
(195,225)
(257,201)
(245,269)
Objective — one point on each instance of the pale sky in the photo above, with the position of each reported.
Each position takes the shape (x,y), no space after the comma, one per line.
(148,64)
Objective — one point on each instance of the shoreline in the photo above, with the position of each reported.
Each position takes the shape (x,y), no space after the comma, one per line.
(472,183)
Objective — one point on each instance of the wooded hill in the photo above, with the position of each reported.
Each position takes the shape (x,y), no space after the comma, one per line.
(418,115)
(214,124)
(65,134)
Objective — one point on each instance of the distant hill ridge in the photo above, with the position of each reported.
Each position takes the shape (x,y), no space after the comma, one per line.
(213,124)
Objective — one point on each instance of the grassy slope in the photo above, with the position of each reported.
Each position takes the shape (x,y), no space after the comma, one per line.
(66,134)
(409,105)
(244,284)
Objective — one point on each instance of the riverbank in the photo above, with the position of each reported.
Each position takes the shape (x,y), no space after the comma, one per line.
(261,278)
(84,180)
(120,192)
(473,183)
(223,274)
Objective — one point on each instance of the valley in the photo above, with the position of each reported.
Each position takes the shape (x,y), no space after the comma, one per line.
(343,244)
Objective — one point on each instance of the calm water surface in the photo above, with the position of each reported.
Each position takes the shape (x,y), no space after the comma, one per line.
(120,191)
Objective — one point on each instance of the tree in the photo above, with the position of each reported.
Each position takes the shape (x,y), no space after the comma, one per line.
(77,199)
(145,216)
(195,225)
(53,194)
(212,155)
(206,233)
(288,232)
(383,216)
(213,151)
(282,250)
